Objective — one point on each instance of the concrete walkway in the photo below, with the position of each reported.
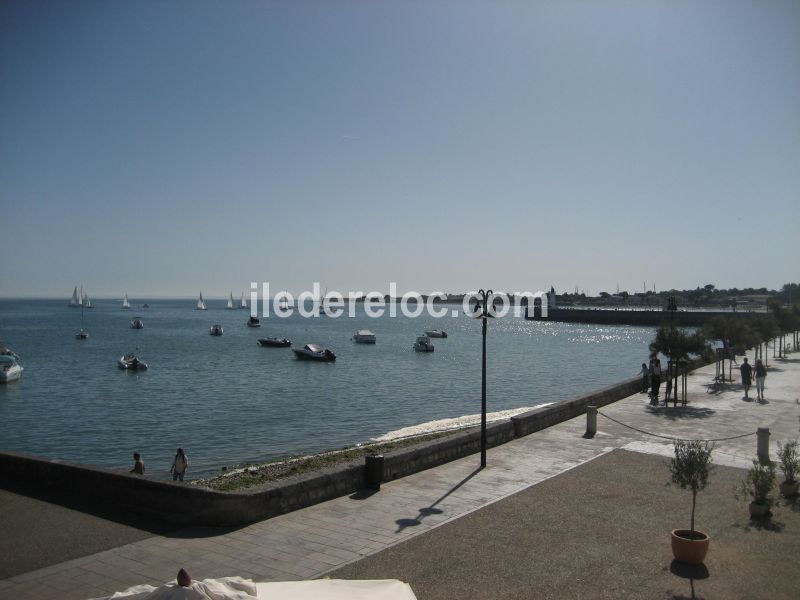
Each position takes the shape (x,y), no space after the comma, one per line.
(317,540)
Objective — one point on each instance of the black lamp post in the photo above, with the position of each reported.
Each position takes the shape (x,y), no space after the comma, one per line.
(482,312)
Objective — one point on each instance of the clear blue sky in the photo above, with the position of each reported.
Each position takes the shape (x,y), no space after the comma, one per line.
(162,148)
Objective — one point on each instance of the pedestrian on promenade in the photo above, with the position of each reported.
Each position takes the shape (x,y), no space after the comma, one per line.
(668,393)
(655,378)
(138,465)
(645,374)
(761,374)
(747,377)
(179,465)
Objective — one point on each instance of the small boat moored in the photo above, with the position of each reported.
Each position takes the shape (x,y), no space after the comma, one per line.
(274,342)
(314,352)
(130,362)
(136,323)
(253,322)
(10,369)
(436,333)
(423,344)
(215,330)
(364,336)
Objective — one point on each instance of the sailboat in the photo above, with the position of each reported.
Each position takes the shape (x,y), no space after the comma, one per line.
(82,334)
(86,303)
(75,301)
(125,303)
(230,305)
(242,301)
(201,305)
(283,305)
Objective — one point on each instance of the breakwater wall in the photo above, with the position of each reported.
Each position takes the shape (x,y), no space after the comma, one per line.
(624,316)
(186,504)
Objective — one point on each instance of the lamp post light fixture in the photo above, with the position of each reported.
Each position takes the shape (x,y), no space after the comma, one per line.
(482,312)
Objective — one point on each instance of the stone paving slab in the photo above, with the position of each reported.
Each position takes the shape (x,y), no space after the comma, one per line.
(311,542)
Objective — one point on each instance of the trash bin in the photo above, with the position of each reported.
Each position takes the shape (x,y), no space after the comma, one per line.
(373,471)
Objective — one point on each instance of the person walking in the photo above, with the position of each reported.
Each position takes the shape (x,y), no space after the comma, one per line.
(747,377)
(645,375)
(179,465)
(655,378)
(138,465)
(761,374)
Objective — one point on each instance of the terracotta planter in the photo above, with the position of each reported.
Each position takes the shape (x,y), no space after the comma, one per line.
(689,547)
(789,490)
(759,511)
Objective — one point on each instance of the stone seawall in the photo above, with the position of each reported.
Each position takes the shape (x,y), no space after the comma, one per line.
(193,505)
(625,316)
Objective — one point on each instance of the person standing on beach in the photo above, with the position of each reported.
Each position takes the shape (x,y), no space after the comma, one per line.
(747,377)
(645,374)
(761,374)
(138,465)
(655,378)
(179,465)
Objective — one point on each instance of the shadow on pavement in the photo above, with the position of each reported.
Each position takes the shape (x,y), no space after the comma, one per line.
(432,510)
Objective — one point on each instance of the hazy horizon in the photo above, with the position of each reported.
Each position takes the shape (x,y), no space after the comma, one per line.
(161,149)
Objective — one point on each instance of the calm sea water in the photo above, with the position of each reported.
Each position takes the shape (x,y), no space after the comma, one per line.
(226,400)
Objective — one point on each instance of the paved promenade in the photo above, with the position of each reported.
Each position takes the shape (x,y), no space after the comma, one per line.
(455,513)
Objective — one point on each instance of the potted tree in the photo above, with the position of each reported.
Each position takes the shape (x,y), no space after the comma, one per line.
(690,470)
(757,485)
(790,461)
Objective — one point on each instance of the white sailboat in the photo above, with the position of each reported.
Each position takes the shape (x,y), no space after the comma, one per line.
(242,301)
(125,303)
(230,305)
(283,305)
(75,301)
(86,303)
(201,305)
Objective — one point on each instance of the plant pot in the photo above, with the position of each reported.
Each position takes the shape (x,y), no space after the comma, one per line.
(689,547)
(789,490)
(759,511)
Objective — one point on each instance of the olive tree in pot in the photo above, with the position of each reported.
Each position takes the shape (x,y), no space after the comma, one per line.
(757,485)
(690,470)
(790,462)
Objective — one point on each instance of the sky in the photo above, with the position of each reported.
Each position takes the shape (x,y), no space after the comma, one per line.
(164,148)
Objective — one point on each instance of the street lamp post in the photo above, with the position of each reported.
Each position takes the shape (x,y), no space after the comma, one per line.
(482,312)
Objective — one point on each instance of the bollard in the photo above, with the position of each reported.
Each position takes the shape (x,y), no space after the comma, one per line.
(763,445)
(373,471)
(591,421)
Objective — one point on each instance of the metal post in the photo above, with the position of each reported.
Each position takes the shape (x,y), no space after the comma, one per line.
(486,297)
(762,444)
(591,421)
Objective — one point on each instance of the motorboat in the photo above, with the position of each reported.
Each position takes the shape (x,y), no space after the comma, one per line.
(364,336)
(10,369)
(230,305)
(274,342)
(283,304)
(436,333)
(130,362)
(314,352)
(126,303)
(136,323)
(253,322)
(201,305)
(423,344)
(215,330)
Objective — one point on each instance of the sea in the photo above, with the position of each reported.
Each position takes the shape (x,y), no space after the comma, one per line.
(228,401)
